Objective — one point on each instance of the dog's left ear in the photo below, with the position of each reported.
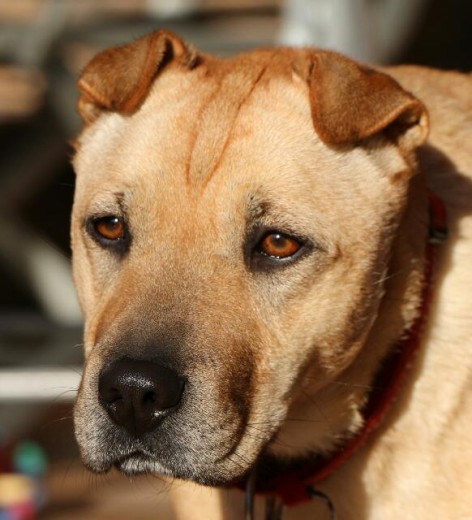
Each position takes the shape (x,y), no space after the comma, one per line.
(351,103)
(119,79)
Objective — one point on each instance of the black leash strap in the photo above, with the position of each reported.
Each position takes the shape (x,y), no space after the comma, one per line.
(249,496)
(274,509)
(319,495)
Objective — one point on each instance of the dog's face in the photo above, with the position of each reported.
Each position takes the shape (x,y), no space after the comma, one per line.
(229,237)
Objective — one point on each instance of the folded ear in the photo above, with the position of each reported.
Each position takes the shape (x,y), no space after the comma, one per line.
(119,79)
(351,102)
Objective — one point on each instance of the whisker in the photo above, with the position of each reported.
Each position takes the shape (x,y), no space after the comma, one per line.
(348,384)
(320,411)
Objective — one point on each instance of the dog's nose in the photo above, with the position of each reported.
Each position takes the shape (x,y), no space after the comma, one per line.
(138,394)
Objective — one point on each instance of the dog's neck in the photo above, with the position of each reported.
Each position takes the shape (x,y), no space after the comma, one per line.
(344,418)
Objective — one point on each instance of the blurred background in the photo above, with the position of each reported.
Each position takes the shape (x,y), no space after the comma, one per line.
(43,46)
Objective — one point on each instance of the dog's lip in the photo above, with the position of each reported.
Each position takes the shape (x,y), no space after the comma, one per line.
(129,455)
(136,454)
(140,463)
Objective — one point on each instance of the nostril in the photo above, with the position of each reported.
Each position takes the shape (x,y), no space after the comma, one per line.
(149,398)
(112,395)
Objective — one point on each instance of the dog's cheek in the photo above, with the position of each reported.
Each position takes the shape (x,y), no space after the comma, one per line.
(238,380)
(91,279)
(90,424)
(81,269)
(228,380)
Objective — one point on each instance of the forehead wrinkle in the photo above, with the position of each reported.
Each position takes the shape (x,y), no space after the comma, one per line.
(214,133)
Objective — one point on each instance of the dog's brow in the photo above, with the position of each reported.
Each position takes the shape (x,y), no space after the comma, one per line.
(109,202)
(262,212)
(257,208)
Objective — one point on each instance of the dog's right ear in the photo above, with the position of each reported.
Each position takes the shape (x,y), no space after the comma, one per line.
(119,79)
(351,103)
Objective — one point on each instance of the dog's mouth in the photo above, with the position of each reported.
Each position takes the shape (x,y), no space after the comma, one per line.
(139,463)
(141,460)
(202,438)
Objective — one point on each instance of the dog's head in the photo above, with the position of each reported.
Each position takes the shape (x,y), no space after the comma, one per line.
(233,224)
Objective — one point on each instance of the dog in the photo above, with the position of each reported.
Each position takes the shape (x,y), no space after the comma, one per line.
(259,249)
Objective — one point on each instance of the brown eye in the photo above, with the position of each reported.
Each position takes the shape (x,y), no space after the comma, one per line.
(278,245)
(110,228)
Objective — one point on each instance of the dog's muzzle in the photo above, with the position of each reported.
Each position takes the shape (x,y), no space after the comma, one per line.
(138,394)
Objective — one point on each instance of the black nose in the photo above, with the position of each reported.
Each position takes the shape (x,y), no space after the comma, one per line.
(138,394)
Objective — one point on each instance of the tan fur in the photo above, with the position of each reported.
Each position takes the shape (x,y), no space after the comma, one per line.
(281,360)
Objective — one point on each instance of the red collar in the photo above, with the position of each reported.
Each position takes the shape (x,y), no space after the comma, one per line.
(292,486)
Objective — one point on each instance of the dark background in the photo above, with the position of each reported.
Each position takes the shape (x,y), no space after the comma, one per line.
(36,180)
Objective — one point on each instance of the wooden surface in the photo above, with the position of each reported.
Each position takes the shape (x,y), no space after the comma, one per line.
(75,494)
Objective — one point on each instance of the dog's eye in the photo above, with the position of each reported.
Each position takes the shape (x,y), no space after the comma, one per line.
(278,245)
(110,228)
